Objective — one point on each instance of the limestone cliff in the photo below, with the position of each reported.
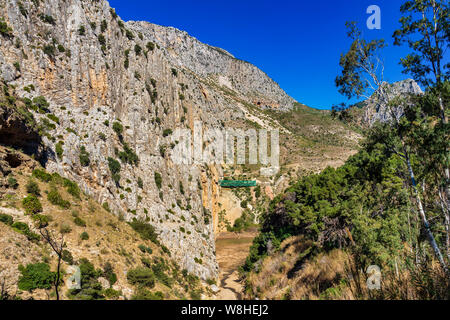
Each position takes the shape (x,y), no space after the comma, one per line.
(107,89)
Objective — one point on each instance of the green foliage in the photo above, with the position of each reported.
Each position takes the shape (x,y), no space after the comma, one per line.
(128,155)
(36,276)
(67,257)
(144,294)
(114,167)
(84,236)
(118,128)
(142,277)
(33,188)
(108,273)
(5,30)
(79,222)
(167,132)
(137,49)
(424,28)
(6,219)
(12,182)
(361,52)
(42,175)
(140,183)
(91,289)
(150,46)
(146,230)
(174,72)
(145,249)
(84,157)
(59,150)
(81,30)
(55,198)
(31,204)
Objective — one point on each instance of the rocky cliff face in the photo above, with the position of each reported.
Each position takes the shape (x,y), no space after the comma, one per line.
(108,90)
(374,110)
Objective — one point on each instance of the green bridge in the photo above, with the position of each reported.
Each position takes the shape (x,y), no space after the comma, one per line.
(237,183)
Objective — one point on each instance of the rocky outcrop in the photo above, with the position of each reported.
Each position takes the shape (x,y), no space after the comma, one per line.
(375,110)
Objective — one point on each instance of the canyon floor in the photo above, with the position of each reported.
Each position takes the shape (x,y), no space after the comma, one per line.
(231,250)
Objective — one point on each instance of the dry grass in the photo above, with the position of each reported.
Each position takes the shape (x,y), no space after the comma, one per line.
(291,273)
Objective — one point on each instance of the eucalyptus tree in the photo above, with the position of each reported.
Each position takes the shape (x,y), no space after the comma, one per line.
(362,76)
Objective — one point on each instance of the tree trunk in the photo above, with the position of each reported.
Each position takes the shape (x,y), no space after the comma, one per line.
(430,236)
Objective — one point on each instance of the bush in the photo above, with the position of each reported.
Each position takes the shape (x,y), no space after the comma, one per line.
(79,222)
(36,276)
(145,249)
(31,204)
(143,277)
(118,128)
(6,219)
(33,188)
(56,199)
(140,183)
(108,273)
(128,155)
(72,188)
(167,132)
(67,257)
(84,236)
(42,175)
(12,182)
(41,220)
(144,294)
(114,167)
(59,150)
(81,30)
(84,157)
(174,72)
(158,180)
(146,230)
(65,228)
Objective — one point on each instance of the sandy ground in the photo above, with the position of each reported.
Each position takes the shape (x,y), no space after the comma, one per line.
(231,251)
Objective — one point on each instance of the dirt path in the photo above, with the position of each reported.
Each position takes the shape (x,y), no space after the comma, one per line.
(231,252)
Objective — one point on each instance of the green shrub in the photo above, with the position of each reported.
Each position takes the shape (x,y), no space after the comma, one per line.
(102,39)
(56,199)
(81,30)
(146,230)
(59,150)
(128,155)
(174,72)
(108,273)
(118,128)
(150,46)
(158,180)
(31,204)
(67,257)
(114,167)
(137,49)
(36,276)
(142,277)
(167,132)
(79,222)
(23,228)
(72,188)
(145,249)
(41,220)
(12,182)
(33,188)
(144,294)
(84,157)
(140,183)
(84,236)
(6,219)
(42,175)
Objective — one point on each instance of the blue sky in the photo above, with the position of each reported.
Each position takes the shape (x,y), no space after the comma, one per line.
(297,43)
